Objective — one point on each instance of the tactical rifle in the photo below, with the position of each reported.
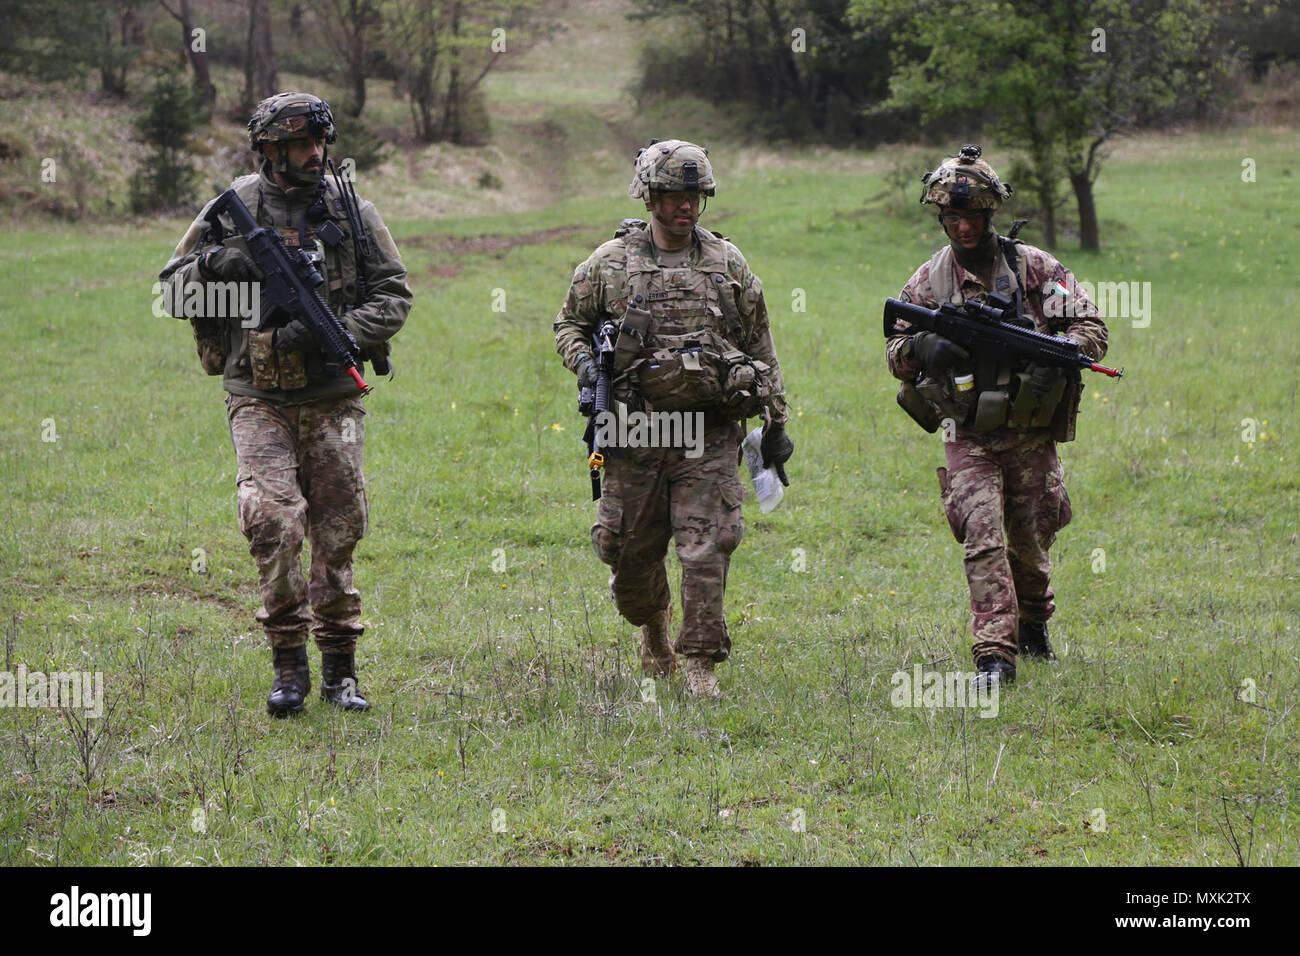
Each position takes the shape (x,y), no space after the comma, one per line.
(993,330)
(290,283)
(594,402)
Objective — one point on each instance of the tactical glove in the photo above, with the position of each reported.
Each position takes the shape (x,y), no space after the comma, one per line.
(777,449)
(937,353)
(1043,378)
(292,337)
(586,372)
(229,263)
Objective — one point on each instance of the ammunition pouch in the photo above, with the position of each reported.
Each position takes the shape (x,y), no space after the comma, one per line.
(1029,410)
(293,368)
(262,359)
(698,371)
(991,410)
(633,333)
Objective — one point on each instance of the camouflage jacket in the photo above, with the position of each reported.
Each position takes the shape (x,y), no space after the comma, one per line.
(1052,298)
(601,284)
(372,322)
(1042,274)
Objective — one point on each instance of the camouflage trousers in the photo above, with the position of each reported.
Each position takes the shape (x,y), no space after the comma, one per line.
(653,495)
(1005,500)
(300,476)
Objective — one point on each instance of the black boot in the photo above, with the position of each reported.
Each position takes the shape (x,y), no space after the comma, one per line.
(1034,643)
(338,682)
(292,681)
(993,670)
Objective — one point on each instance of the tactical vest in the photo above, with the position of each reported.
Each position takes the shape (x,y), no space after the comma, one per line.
(682,341)
(1002,397)
(225,347)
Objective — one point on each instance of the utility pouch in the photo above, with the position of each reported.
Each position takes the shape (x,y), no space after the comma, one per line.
(262,359)
(684,373)
(991,410)
(632,334)
(922,412)
(1028,410)
(293,368)
(939,395)
(746,385)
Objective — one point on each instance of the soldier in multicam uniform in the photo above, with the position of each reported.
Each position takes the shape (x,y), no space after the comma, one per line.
(676,289)
(298,431)
(1002,488)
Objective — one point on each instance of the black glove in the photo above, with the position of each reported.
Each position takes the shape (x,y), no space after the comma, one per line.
(937,353)
(586,372)
(229,263)
(777,449)
(292,337)
(1043,378)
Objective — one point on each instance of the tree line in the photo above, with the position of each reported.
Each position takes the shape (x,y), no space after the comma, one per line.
(435,52)
(1053,80)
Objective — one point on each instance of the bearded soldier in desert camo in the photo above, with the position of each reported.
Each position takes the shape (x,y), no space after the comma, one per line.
(692,337)
(1002,487)
(297,423)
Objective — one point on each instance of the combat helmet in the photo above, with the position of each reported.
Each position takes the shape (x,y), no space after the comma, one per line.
(965,181)
(288,116)
(673,165)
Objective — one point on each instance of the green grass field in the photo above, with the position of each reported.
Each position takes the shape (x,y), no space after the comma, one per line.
(510,724)
(519,692)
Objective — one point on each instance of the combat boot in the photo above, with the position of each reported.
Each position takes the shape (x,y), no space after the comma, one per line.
(657,656)
(700,679)
(993,670)
(1034,643)
(338,682)
(292,681)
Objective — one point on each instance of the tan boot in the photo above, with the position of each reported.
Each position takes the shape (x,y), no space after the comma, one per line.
(700,679)
(657,657)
